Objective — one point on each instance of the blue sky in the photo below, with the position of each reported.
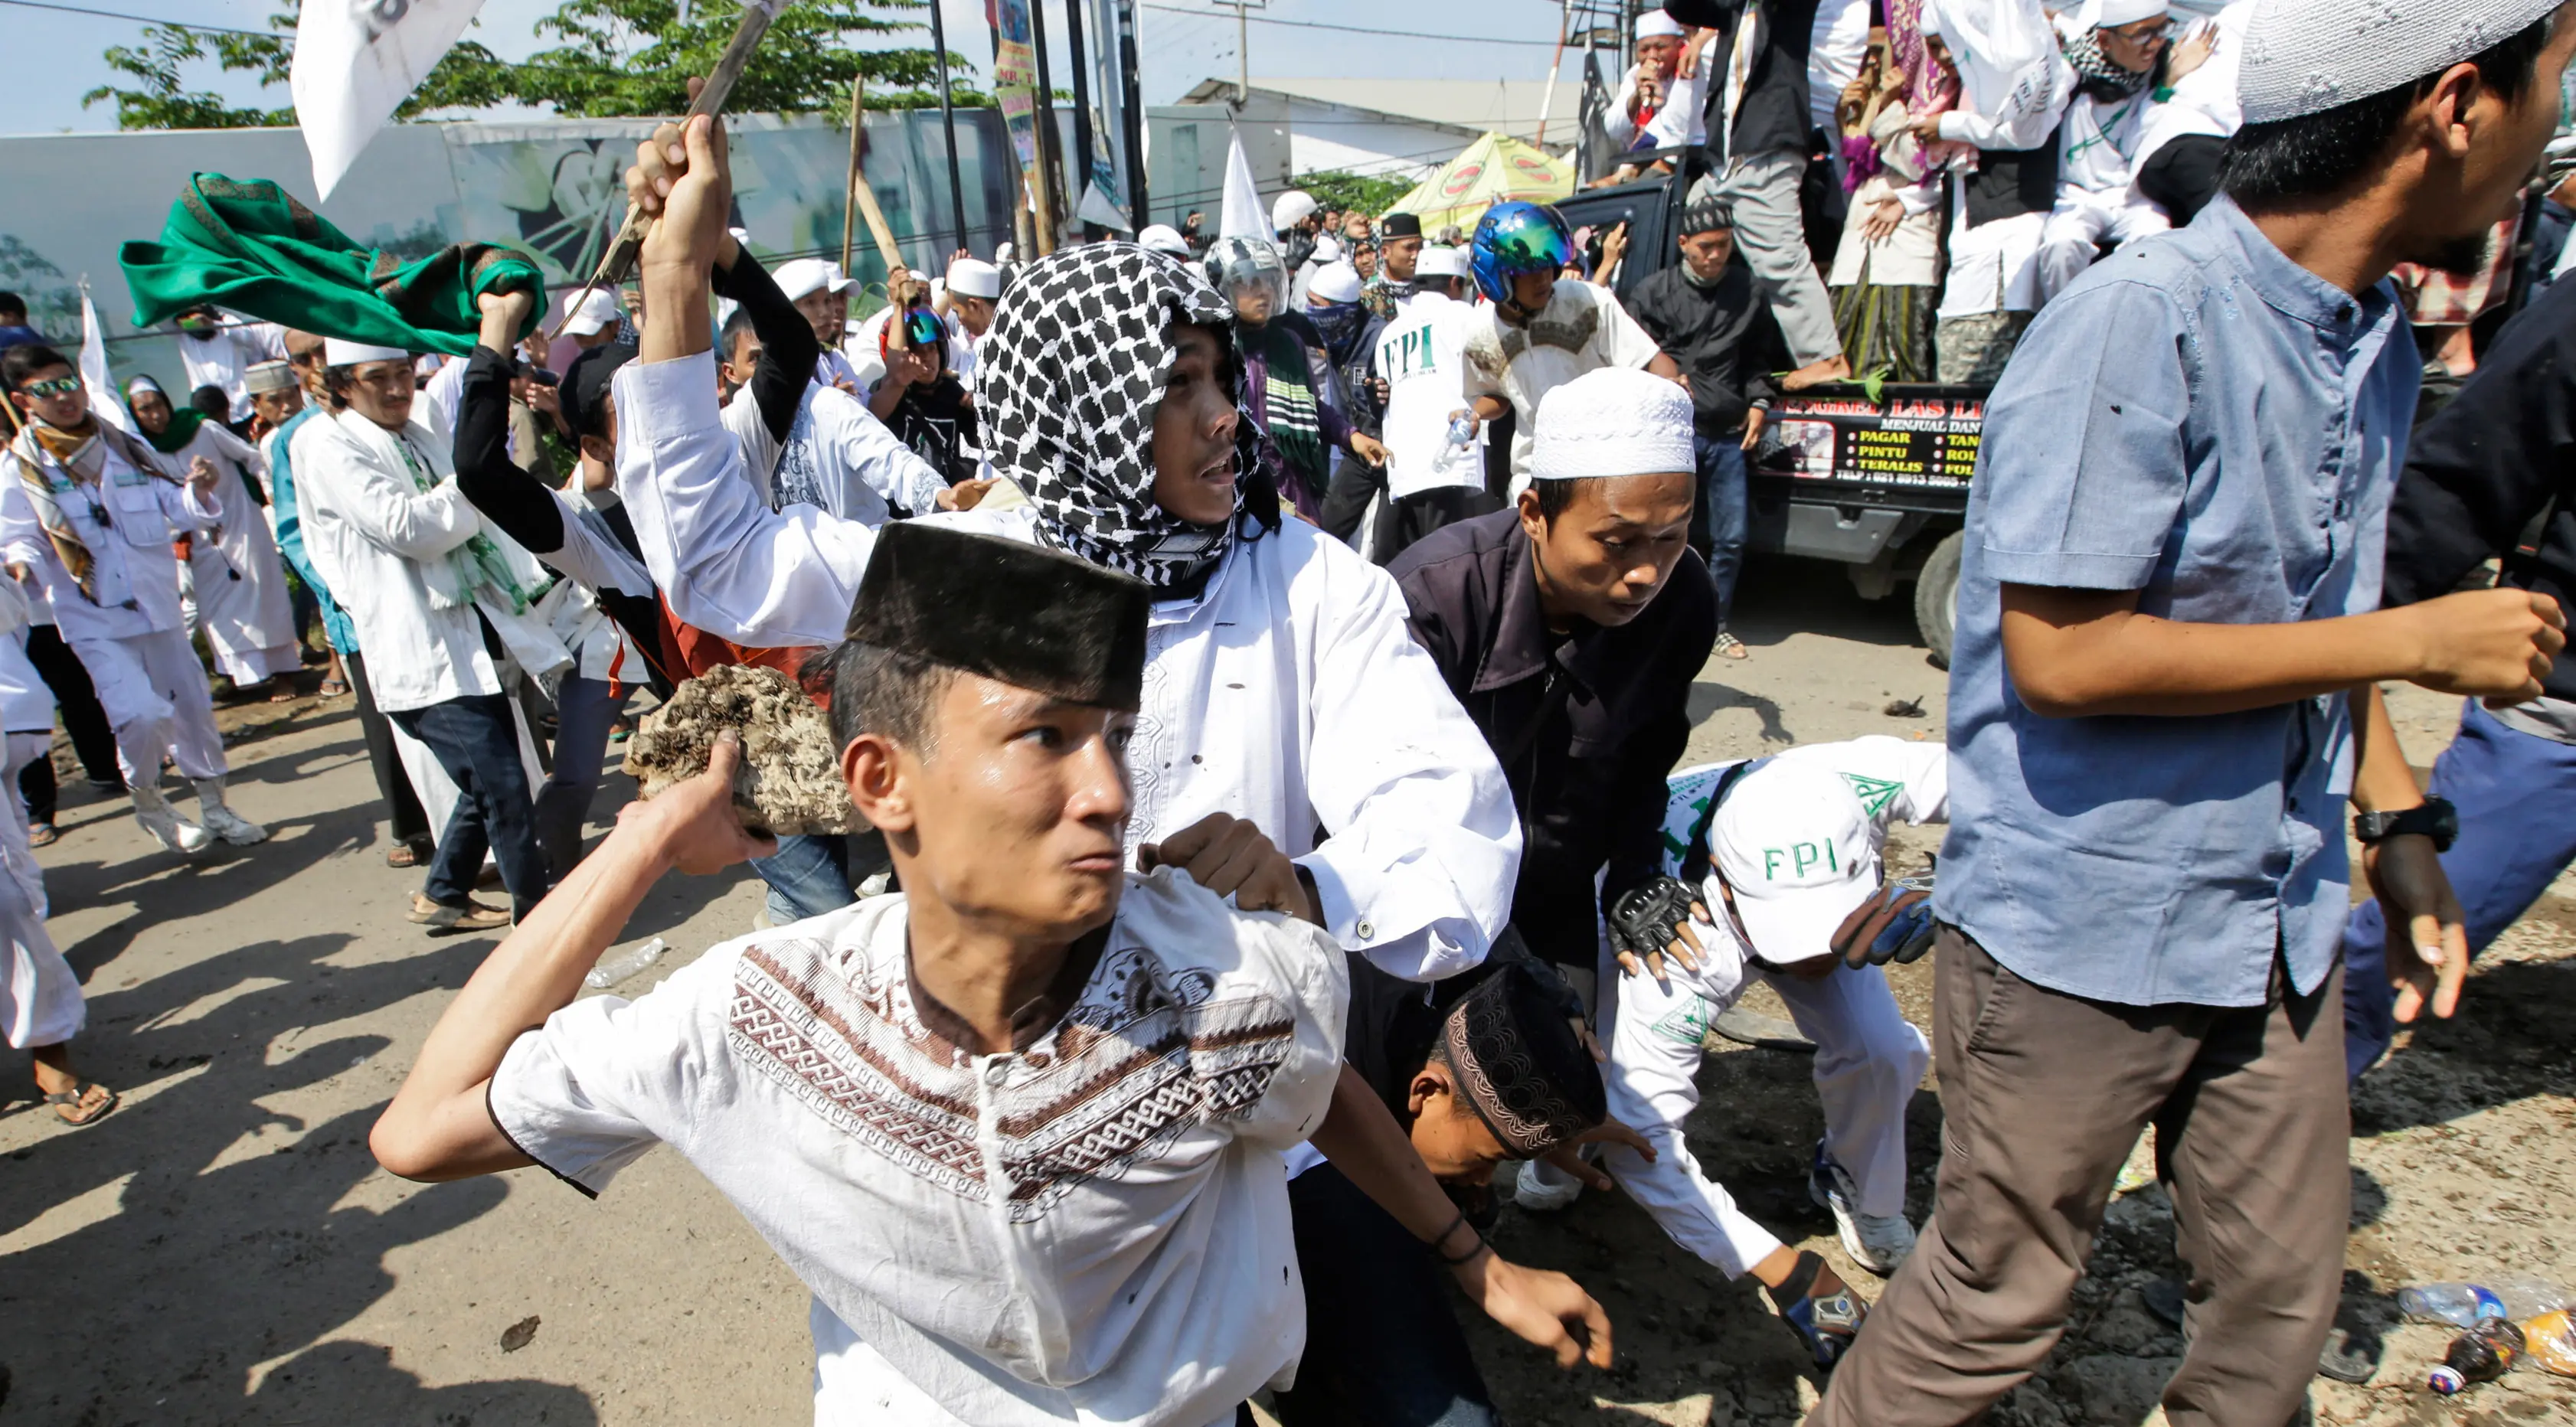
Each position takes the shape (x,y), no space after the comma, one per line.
(55,57)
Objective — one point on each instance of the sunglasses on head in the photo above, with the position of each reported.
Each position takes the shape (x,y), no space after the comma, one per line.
(52,386)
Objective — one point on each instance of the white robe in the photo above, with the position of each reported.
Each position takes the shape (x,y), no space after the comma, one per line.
(242,604)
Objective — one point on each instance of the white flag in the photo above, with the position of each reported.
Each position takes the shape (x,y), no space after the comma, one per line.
(103,396)
(1243,215)
(356,61)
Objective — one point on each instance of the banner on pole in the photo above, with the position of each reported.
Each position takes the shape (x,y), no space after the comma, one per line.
(1015,83)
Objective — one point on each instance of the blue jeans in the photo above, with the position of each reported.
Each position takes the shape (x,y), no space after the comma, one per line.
(807,876)
(1382,1343)
(584,711)
(2516,793)
(1719,524)
(475,740)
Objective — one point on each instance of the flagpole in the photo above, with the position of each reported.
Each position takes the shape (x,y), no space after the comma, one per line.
(948,121)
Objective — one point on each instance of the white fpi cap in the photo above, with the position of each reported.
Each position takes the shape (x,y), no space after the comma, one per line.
(1290,209)
(1439,261)
(2307,56)
(1334,282)
(1611,421)
(1163,238)
(973,277)
(804,276)
(1792,841)
(1328,249)
(596,312)
(341,352)
(1655,24)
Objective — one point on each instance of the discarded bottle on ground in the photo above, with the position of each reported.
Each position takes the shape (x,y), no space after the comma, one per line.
(2482,1354)
(2551,1341)
(617,968)
(2508,1295)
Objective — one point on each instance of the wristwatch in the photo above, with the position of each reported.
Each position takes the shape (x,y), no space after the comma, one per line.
(2434,818)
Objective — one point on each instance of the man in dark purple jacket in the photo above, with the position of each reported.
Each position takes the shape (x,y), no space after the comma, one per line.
(1560,627)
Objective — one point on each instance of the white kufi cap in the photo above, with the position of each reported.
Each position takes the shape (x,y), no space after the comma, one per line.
(2307,56)
(1334,282)
(341,352)
(1612,421)
(1163,238)
(2114,13)
(1655,24)
(1793,842)
(1439,261)
(973,277)
(1290,209)
(1328,249)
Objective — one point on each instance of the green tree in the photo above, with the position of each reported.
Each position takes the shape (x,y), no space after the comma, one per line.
(1366,193)
(617,57)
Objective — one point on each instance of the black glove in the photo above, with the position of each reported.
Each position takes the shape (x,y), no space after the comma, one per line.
(1647,918)
(1896,925)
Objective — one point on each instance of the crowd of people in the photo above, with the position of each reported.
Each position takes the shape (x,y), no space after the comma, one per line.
(1244,888)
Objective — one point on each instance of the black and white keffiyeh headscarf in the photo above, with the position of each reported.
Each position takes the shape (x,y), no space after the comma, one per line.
(1066,385)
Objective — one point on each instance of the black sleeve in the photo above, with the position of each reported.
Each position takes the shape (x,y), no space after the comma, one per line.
(1636,831)
(2182,176)
(788,349)
(1770,354)
(2480,470)
(1644,307)
(508,497)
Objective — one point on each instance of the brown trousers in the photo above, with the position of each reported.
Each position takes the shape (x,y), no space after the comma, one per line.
(2042,1096)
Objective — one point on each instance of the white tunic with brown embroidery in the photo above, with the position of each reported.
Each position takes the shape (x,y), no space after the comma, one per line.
(1092,1227)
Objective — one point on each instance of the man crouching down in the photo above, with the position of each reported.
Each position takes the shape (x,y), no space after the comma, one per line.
(1020,1128)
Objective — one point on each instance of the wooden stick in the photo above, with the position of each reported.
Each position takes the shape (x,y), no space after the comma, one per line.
(863,196)
(619,264)
(850,200)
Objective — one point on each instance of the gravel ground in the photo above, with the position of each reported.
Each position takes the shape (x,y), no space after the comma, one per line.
(223,1249)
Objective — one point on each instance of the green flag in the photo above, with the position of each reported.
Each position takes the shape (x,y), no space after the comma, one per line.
(252,248)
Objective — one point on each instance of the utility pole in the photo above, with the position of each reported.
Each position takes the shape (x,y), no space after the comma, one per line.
(948,122)
(1050,146)
(1078,175)
(1242,46)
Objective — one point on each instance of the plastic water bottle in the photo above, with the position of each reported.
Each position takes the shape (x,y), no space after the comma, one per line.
(2482,1354)
(2551,1341)
(1462,432)
(617,968)
(2462,1305)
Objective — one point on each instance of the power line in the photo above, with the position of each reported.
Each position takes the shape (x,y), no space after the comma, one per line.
(141,19)
(1357,29)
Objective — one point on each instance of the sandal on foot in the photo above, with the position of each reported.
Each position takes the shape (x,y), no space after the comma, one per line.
(83,1104)
(1728,646)
(407,854)
(474,916)
(1826,1323)
(334,688)
(43,835)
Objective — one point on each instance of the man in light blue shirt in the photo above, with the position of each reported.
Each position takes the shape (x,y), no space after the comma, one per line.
(2164,691)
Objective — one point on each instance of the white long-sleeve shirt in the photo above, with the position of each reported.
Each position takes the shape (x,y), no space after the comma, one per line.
(1680,121)
(1288,692)
(370,531)
(125,520)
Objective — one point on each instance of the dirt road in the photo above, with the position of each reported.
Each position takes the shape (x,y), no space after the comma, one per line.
(224,1250)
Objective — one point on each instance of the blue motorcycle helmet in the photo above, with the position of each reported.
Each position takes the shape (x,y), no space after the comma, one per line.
(1516,238)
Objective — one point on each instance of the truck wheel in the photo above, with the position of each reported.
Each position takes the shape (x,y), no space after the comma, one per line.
(1936,596)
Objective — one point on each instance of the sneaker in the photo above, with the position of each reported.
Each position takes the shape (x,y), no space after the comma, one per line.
(231,826)
(474,916)
(1543,1188)
(1825,1323)
(1877,1242)
(168,828)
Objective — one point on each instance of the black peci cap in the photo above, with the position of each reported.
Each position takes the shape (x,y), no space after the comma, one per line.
(1023,614)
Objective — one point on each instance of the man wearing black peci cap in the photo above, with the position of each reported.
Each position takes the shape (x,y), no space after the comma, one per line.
(1387,292)
(1018,1127)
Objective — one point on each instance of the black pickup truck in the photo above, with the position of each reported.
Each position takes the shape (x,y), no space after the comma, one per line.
(1878,483)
